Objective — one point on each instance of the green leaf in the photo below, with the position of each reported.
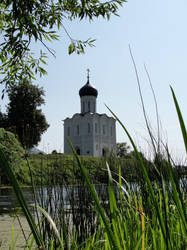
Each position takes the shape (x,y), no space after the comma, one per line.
(44,62)
(181,121)
(146,177)
(113,241)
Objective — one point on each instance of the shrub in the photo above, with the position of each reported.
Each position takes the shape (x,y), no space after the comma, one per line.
(15,155)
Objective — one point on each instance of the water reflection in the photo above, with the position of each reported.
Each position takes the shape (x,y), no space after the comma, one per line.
(8,200)
(52,197)
(49,197)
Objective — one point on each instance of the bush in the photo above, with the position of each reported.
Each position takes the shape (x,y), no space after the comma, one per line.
(15,155)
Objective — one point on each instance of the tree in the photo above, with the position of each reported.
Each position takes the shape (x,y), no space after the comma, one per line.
(3,120)
(25,21)
(122,149)
(25,119)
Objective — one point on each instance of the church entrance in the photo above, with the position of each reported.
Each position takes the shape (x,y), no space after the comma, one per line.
(78,150)
(103,152)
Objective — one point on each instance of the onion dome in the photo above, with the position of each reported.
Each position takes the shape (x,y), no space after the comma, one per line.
(88,89)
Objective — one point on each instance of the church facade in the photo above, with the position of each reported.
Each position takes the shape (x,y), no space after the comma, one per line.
(90,133)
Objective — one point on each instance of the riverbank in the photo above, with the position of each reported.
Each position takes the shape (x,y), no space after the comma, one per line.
(9,225)
(62,169)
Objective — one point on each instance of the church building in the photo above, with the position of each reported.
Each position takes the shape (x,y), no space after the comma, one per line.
(90,133)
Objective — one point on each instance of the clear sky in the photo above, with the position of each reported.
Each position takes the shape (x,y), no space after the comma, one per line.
(156,31)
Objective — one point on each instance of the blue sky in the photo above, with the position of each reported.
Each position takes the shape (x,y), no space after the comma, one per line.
(156,31)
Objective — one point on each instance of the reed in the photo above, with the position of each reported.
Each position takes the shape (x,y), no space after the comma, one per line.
(127,219)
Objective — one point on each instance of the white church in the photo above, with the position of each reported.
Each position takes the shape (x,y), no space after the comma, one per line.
(90,133)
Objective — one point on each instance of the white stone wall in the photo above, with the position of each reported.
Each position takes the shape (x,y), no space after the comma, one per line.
(105,134)
(93,138)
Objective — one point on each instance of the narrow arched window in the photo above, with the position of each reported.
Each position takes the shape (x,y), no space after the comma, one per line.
(83,107)
(96,128)
(68,131)
(104,151)
(78,150)
(88,106)
(77,129)
(104,130)
(89,128)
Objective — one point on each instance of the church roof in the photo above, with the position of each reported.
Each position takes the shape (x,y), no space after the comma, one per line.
(88,115)
(88,89)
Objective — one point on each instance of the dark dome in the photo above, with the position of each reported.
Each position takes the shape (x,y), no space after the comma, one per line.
(88,89)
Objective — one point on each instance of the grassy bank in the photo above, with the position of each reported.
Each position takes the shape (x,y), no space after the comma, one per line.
(56,169)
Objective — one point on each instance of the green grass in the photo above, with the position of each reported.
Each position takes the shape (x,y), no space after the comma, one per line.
(53,167)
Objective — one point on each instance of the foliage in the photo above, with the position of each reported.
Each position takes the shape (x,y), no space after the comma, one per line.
(6,165)
(127,219)
(3,120)
(23,22)
(58,169)
(15,156)
(161,205)
(122,149)
(25,119)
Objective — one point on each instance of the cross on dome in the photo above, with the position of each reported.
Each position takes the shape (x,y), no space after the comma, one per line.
(88,89)
(88,74)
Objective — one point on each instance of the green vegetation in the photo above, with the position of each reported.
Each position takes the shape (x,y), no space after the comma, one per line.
(55,166)
(151,217)
(14,153)
(122,149)
(57,169)
(24,118)
(38,21)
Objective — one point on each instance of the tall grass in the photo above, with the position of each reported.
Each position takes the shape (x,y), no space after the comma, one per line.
(127,219)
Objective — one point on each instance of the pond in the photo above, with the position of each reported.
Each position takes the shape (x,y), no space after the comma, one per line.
(51,197)
(48,197)
(8,200)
